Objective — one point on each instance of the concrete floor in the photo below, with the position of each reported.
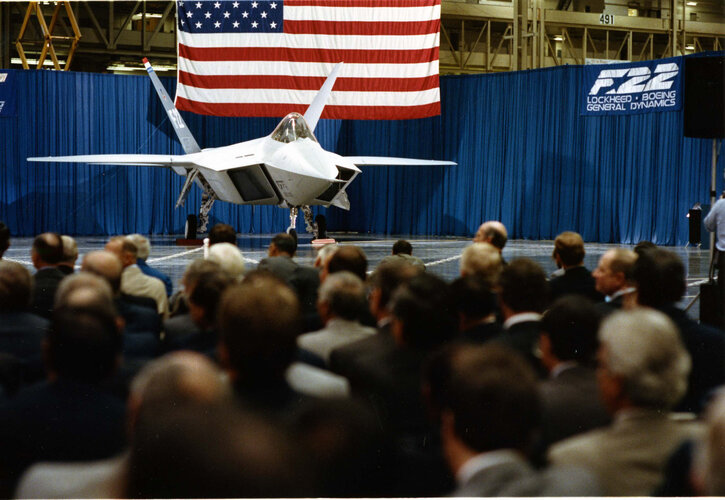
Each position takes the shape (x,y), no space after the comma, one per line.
(441,254)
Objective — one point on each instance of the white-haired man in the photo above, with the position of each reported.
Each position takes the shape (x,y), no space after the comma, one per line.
(642,373)
(341,301)
(482,259)
(229,258)
(143,246)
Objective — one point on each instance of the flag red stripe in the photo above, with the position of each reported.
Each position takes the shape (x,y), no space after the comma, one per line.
(308,55)
(361,3)
(308,82)
(331,112)
(362,28)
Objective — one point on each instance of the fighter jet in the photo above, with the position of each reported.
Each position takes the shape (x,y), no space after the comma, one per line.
(288,168)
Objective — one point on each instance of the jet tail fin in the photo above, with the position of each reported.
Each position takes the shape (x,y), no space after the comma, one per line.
(312,115)
(188,143)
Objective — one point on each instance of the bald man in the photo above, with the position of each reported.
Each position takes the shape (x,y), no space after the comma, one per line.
(493,232)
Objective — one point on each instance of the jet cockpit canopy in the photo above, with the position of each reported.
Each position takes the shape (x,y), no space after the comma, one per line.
(291,128)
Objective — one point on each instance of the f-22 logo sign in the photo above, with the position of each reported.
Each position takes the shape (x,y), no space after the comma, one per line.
(640,79)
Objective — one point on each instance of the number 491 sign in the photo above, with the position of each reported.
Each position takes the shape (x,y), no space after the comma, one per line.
(607,19)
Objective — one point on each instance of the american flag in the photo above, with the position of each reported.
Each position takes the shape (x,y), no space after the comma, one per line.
(270,57)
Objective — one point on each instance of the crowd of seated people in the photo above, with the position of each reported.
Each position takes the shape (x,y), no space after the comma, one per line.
(336,380)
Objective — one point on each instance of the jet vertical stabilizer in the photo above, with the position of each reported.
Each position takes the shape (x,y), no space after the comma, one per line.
(188,143)
(312,115)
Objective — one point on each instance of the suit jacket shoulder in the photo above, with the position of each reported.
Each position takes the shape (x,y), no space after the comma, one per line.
(46,282)
(629,456)
(577,280)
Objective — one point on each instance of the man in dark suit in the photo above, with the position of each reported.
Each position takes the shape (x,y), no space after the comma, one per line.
(46,253)
(523,296)
(569,256)
(203,305)
(486,405)
(259,322)
(475,305)
(659,276)
(613,278)
(70,255)
(383,283)
(570,398)
(304,280)
(69,417)
(21,333)
(142,326)
(138,319)
(4,238)
(422,320)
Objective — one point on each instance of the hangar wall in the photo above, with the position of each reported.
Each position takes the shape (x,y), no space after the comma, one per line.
(525,157)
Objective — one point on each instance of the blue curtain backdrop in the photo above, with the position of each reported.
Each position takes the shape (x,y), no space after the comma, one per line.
(524,155)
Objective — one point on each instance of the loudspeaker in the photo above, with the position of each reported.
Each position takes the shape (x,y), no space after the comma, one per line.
(711,305)
(704,97)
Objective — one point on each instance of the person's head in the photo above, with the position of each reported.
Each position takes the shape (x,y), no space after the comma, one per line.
(342,295)
(486,399)
(47,250)
(643,246)
(106,265)
(205,297)
(482,259)
(259,321)
(4,238)
(568,250)
(614,271)
(351,452)
(347,258)
(177,379)
(323,254)
(473,300)
(195,269)
(16,287)
(143,245)
(642,362)
(124,249)
(70,251)
(222,233)
(282,244)
(192,452)
(523,288)
(384,281)
(423,317)
(229,258)
(709,456)
(492,232)
(84,289)
(402,246)
(659,276)
(569,331)
(83,342)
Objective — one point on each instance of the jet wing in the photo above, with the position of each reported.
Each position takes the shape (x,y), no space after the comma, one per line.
(392,161)
(124,159)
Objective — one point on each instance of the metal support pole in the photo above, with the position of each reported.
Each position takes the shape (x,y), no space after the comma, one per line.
(673,22)
(713,194)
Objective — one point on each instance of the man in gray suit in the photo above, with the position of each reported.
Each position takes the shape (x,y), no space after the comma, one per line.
(642,373)
(486,400)
(569,396)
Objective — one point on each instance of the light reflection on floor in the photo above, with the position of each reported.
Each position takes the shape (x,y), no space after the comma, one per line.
(432,250)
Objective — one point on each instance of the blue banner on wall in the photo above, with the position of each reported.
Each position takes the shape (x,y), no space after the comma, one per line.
(7,93)
(632,88)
